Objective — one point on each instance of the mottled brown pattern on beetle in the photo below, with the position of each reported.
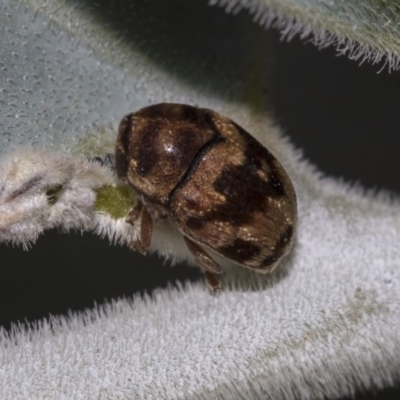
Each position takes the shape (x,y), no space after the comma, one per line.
(221,186)
(275,184)
(258,155)
(285,238)
(148,154)
(281,245)
(235,194)
(198,159)
(240,250)
(245,192)
(163,142)
(182,139)
(258,152)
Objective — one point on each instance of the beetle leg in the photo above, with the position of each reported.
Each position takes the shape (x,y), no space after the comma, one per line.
(212,280)
(134,213)
(146,228)
(206,263)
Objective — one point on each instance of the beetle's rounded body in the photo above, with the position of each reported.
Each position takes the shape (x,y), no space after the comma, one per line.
(221,186)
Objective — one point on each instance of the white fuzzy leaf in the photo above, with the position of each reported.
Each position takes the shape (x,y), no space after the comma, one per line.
(363,29)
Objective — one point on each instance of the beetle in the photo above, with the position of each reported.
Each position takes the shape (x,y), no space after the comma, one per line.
(225,191)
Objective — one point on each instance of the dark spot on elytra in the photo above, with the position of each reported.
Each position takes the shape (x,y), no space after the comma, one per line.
(240,250)
(192,114)
(279,248)
(195,223)
(276,184)
(254,147)
(245,193)
(256,152)
(148,154)
(270,260)
(285,238)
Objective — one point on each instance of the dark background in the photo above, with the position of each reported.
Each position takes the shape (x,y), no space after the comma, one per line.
(344,116)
